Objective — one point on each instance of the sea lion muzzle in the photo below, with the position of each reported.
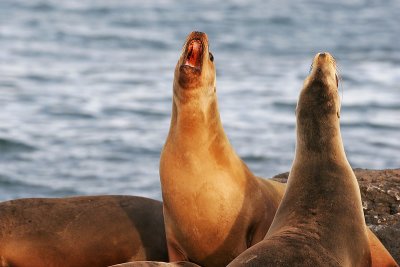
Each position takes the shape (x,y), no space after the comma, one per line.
(194,54)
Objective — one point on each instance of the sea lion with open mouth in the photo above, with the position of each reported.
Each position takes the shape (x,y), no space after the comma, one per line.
(214,207)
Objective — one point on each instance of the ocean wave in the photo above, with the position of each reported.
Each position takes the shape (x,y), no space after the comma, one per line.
(370,125)
(8,145)
(85,86)
(371,106)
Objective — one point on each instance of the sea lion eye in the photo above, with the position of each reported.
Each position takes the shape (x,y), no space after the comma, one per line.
(211,56)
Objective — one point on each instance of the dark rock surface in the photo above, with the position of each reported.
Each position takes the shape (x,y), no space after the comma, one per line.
(380,193)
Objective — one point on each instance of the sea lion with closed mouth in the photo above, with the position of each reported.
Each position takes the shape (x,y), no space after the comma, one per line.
(214,207)
(93,231)
(320,220)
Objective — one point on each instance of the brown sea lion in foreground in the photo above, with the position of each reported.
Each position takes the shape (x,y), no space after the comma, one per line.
(93,231)
(214,207)
(320,220)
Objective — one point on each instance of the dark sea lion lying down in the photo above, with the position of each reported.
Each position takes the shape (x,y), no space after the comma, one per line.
(93,231)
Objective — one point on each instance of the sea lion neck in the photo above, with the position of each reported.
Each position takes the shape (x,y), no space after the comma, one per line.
(196,120)
(318,127)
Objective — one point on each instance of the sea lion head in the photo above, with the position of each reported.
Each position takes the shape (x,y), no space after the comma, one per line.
(318,107)
(195,70)
(319,96)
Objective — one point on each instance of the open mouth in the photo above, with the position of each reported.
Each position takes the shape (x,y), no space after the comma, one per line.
(194,54)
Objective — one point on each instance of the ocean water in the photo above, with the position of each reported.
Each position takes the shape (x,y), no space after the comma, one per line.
(86,86)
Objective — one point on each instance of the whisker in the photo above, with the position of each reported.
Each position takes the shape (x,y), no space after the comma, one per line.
(340,79)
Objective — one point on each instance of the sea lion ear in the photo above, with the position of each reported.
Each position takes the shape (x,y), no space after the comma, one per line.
(338,114)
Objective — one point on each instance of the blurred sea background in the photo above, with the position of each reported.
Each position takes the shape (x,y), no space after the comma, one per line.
(86,86)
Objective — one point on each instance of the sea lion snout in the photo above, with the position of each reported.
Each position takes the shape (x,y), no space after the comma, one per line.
(195,47)
(197,35)
(323,71)
(195,66)
(324,55)
(323,60)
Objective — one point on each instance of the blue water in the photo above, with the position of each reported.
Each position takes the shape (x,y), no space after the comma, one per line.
(85,86)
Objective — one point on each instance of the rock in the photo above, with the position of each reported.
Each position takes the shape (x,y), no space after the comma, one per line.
(380,193)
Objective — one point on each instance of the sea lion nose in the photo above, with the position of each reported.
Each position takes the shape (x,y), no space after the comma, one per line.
(198,33)
(322,55)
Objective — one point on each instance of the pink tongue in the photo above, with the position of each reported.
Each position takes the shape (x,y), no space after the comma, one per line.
(194,53)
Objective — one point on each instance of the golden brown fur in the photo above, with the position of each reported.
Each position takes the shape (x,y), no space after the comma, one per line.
(320,220)
(380,256)
(214,207)
(81,231)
